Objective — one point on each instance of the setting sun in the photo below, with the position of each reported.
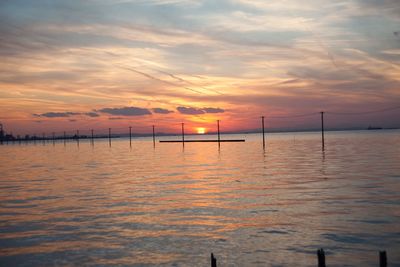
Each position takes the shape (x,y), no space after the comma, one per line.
(201,130)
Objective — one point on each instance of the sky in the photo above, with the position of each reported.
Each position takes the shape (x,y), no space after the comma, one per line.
(100,64)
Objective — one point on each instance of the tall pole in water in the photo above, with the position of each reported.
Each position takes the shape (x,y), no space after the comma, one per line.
(154,137)
(322,130)
(109,136)
(263,131)
(130,136)
(65,138)
(219,138)
(77,137)
(92,136)
(1,134)
(183,134)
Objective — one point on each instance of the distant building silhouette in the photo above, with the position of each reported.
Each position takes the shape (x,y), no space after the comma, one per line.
(4,136)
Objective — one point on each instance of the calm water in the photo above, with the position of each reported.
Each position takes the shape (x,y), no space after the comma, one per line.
(171,206)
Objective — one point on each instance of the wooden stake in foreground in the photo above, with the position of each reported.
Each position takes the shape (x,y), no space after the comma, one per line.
(213,261)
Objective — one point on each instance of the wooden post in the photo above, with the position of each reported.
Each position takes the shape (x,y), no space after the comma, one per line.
(322,130)
(54,139)
(65,138)
(109,136)
(130,136)
(92,137)
(213,261)
(382,259)
(321,258)
(1,134)
(154,137)
(77,137)
(219,138)
(263,131)
(183,134)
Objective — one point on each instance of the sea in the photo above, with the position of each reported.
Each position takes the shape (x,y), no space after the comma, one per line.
(116,204)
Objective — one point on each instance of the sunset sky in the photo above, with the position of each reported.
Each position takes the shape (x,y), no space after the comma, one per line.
(69,65)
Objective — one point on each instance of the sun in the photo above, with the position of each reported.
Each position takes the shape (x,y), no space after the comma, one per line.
(201,130)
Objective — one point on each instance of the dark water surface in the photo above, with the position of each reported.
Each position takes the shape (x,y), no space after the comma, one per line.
(169,206)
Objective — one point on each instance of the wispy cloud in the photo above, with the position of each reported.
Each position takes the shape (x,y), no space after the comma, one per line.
(162,111)
(56,114)
(198,111)
(213,110)
(65,114)
(92,114)
(190,111)
(126,111)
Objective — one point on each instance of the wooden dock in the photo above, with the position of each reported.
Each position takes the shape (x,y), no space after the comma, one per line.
(202,141)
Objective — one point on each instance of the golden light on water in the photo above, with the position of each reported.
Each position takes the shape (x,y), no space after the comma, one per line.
(201,130)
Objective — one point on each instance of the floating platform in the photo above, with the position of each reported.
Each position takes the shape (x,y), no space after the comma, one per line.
(202,141)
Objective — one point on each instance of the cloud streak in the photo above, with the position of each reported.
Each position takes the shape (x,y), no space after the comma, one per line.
(162,111)
(92,114)
(126,111)
(57,114)
(190,111)
(213,110)
(197,111)
(66,114)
